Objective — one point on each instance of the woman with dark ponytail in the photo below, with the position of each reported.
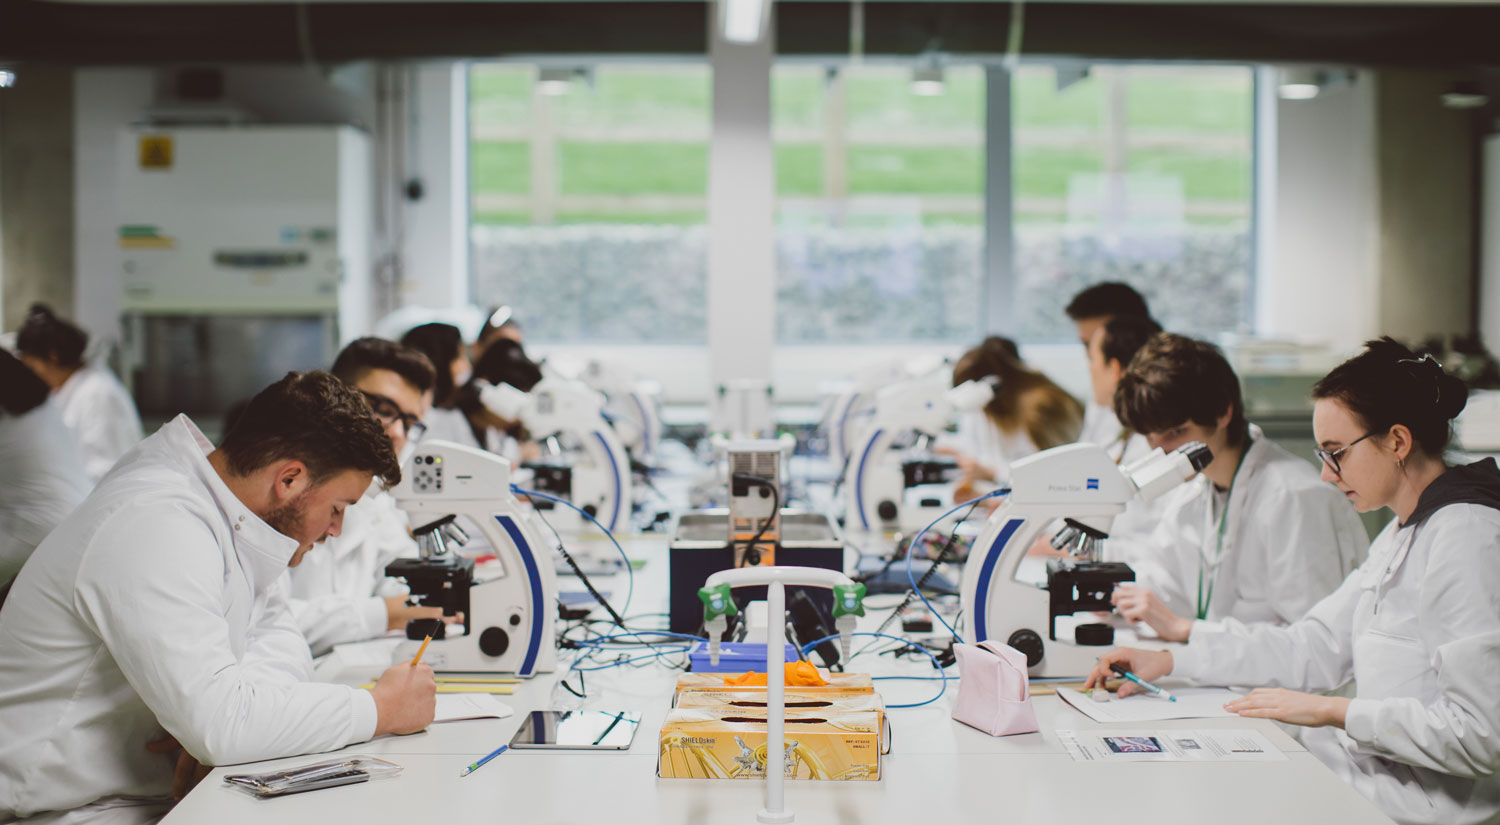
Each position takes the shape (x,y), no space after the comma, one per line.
(1416,628)
(43,479)
(93,402)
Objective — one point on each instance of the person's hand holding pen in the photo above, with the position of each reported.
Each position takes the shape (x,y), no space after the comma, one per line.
(1149,665)
(405,697)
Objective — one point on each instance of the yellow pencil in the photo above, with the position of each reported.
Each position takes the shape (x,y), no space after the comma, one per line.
(423,649)
(500,689)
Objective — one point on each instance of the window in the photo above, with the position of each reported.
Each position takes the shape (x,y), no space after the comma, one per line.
(590,207)
(880,209)
(1140,174)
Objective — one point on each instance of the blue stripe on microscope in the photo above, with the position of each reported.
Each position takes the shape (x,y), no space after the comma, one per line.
(534,578)
(987,572)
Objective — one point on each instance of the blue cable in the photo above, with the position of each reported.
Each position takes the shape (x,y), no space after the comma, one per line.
(629,571)
(910,579)
(626,661)
(941,673)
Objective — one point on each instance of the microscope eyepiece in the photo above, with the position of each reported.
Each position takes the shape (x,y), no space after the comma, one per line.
(1197,454)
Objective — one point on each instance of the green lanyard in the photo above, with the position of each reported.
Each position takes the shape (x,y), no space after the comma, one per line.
(1205,599)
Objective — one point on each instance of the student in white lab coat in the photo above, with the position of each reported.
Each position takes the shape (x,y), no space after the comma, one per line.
(443,345)
(1089,310)
(341,593)
(503,362)
(43,479)
(1257,537)
(1028,413)
(93,402)
(1416,627)
(148,636)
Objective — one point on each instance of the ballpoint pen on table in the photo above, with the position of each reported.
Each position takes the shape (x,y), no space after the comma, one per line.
(478,764)
(1153,689)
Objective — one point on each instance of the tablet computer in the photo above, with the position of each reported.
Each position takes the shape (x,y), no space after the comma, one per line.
(577,729)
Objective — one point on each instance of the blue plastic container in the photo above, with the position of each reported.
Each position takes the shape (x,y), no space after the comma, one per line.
(734,657)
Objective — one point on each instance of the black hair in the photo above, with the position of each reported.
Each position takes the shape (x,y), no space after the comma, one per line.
(1124,336)
(21,390)
(314,418)
(365,354)
(1388,384)
(1174,379)
(505,362)
(1108,299)
(50,338)
(442,344)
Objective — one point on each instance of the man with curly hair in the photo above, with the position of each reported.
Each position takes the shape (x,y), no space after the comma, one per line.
(148,635)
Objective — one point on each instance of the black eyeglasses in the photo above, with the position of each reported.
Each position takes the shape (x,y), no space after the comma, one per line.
(389,413)
(1331,457)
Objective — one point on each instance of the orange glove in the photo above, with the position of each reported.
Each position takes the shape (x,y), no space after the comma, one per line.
(798,674)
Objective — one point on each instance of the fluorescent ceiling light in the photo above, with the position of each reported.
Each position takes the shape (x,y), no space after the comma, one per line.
(7,78)
(554,81)
(743,19)
(927,81)
(1306,83)
(1297,91)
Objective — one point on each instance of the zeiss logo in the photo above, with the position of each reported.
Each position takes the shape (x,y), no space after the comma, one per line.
(1093,484)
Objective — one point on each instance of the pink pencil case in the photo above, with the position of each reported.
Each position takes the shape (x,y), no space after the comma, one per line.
(994,693)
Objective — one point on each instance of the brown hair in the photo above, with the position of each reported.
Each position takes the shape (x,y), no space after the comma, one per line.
(1025,399)
(314,418)
(1174,379)
(365,354)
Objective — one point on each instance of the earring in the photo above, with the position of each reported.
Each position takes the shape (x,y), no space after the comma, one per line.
(1401,464)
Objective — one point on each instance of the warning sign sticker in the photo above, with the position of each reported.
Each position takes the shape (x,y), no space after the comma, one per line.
(156,152)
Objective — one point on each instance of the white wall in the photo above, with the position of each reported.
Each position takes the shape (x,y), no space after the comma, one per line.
(106,100)
(437,225)
(741,193)
(1319,284)
(1489,285)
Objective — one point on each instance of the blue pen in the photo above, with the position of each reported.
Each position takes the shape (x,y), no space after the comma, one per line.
(1155,691)
(477,765)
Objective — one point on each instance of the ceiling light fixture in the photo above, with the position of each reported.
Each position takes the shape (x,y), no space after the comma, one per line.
(1306,83)
(744,21)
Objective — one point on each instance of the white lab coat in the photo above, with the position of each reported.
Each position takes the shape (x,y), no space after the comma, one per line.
(102,416)
(153,610)
(1289,539)
(337,594)
(1417,627)
(43,480)
(1130,533)
(981,439)
(1100,426)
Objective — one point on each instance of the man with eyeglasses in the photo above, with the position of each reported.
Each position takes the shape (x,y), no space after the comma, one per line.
(340,592)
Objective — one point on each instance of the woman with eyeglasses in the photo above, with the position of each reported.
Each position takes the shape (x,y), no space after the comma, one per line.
(1416,627)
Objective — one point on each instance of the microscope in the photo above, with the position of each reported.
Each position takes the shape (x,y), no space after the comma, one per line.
(885,477)
(508,606)
(1081,486)
(566,414)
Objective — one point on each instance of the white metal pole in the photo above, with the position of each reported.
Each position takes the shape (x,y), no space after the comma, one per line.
(776,706)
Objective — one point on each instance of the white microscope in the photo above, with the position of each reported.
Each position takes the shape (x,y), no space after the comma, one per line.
(1080,485)
(509,607)
(567,414)
(882,471)
(854,401)
(633,403)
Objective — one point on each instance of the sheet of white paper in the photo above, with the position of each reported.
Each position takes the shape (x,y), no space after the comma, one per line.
(453,707)
(1192,703)
(372,653)
(1207,745)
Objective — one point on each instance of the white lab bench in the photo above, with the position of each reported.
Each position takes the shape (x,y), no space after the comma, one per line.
(937,771)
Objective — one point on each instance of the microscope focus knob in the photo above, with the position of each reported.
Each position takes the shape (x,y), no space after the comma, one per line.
(494,641)
(886,510)
(1030,643)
